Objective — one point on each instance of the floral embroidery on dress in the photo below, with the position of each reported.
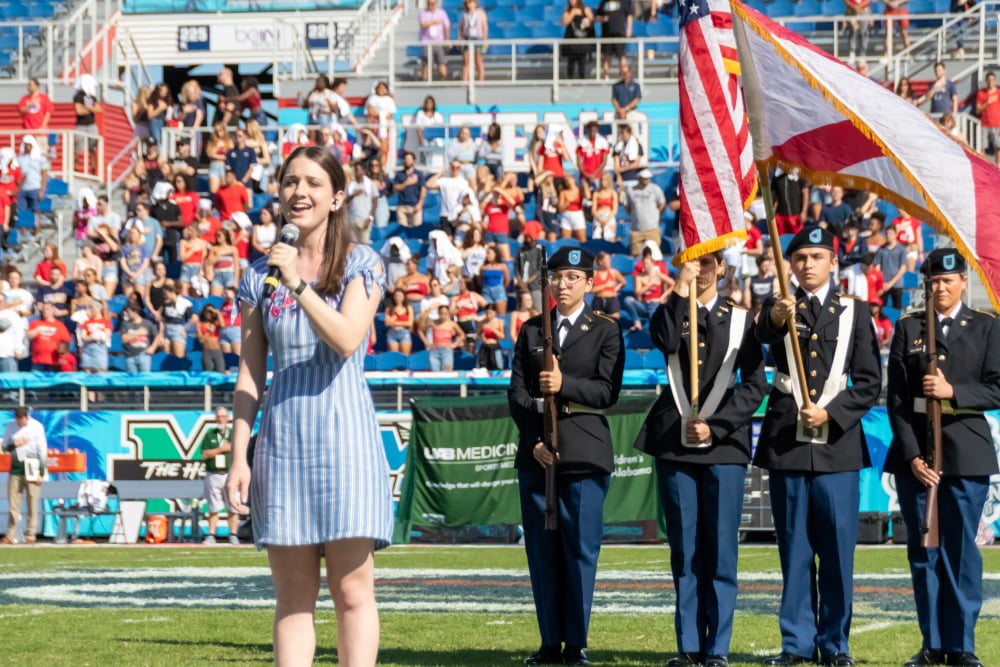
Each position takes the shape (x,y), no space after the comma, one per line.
(276,308)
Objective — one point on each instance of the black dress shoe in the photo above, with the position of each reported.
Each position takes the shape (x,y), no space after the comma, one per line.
(926,658)
(684,660)
(574,656)
(716,661)
(784,659)
(839,660)
(546,655)
(963,660)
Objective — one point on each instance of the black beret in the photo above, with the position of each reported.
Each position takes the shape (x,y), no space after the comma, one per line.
(812,237)
(942,261)
(571,258)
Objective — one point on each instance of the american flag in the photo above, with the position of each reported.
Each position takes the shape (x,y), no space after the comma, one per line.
(717,177)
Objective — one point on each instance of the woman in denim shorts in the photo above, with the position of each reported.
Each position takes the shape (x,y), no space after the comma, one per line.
(178,316)
(399,321)
(224,262)
(229,335)
(192,252)
(442,338)
(495,278)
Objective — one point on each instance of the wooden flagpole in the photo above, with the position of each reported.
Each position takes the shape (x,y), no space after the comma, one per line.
(693,355)
(779,264)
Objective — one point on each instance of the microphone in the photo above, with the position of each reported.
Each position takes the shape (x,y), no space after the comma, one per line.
(289,235)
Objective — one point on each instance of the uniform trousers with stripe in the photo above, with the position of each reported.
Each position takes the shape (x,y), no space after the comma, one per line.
(816,523)
(702,505)
(563,563)
(947,580)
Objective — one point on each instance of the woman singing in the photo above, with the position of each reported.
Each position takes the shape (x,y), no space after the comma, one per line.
(321,487)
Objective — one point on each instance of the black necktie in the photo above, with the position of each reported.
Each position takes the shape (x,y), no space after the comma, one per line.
(814,308)
(945,326)
(563,326)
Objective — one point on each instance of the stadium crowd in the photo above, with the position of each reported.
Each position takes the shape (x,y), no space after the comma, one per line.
(155,274)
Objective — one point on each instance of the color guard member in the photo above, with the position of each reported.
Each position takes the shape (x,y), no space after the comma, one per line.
(947,580)
(586,380)
(701,464)
(814,452)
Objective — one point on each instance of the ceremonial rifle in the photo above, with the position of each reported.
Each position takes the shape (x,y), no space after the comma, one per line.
(549,411)
(930,537)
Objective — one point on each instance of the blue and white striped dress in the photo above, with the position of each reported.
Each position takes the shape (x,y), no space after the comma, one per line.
(319,469)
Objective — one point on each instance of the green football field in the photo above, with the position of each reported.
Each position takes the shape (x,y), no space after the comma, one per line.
(166,605)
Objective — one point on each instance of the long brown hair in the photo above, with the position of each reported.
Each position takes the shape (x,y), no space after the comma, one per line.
(336,243)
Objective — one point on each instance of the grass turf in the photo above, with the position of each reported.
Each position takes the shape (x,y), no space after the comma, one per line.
(51,634)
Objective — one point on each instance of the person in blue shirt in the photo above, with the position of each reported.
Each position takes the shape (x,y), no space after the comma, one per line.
(241,158)
(409,185)
(625,94)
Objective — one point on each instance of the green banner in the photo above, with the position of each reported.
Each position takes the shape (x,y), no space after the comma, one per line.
(460,466)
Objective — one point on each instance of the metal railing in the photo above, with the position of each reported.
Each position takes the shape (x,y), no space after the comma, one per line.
(352,41)
(80,153)
(540,61)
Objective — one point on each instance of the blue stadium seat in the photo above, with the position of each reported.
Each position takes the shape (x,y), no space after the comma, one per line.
(464,361)
(503,14)
(117,303)
(390,361)
(15,11)
(172,363)
(623,263)
(780,8)
(418,361)
(639,340)
(370,362)
(633,360)
(25,219)
(57,188)
(911,280)
(892,313)
(653,360)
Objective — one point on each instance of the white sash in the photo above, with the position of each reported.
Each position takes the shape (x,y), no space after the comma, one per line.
(723,380)
(836,381)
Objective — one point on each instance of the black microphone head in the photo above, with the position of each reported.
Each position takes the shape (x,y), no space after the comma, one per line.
(289,234)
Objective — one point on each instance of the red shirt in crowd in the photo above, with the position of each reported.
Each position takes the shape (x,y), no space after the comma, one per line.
(208,228)
(906,229)
(637,269)
(876,281)
(34,111)
(532,228)
(753,237)
(187,202)
(883,329)
(91,328)
(10,182)
(67,362)
(231,198)
(44,269)
(991,114)
(45,345)
(552,158)
(497,217)
(591,154)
